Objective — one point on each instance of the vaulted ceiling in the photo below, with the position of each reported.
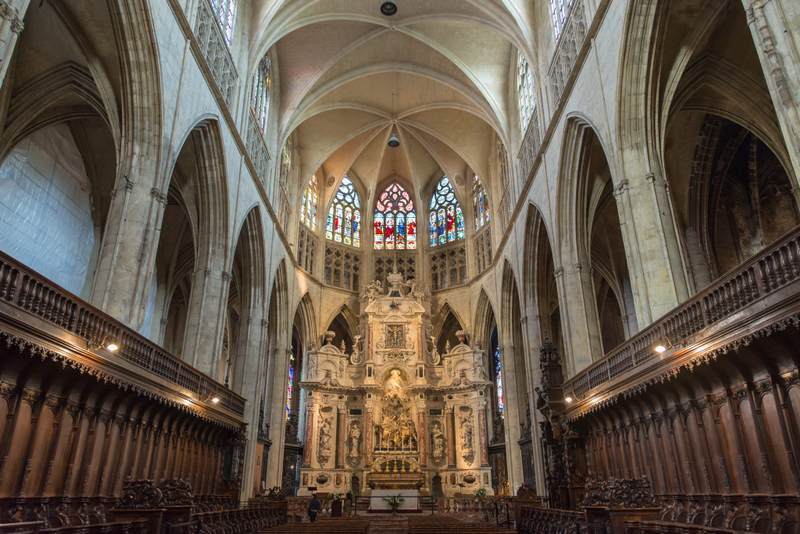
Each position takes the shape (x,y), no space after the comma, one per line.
(437,74)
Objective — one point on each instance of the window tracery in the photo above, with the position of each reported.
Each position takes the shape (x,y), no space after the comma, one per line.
(446,220)
(526,99)
(395,220)
(262,84)
(308,204)
(225,13)
(480,203)
(559,10)
(343,224)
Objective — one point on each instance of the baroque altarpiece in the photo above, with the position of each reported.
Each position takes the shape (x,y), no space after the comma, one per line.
(394,413)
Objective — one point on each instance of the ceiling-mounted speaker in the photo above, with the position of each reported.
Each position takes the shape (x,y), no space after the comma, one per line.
(388,8)
(394,141)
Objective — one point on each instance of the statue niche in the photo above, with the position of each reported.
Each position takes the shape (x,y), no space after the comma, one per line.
(396,430)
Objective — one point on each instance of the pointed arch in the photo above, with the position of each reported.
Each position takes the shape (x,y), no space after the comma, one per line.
(485,320)
(247,295)
(445,325)
(394,219)
(445,216)
(305,319)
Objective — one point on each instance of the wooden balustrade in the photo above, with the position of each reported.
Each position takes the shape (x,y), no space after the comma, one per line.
(37,527)
(734,297)
(27,291)
(536,519)
(256,516)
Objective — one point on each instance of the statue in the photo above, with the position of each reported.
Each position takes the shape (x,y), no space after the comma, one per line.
(438,442)
(354,442)
(355,356)
(436,358)
(374,290)
(467,448)
(325,439)
(394,384)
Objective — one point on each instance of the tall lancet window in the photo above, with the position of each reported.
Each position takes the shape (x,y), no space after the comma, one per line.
(225,12)
(446,220)
(395,221)
(308,204)
(262,83)
(343,224)
(480,203)
(497,372)
(526,99)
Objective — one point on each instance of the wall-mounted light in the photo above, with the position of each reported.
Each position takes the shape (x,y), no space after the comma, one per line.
(215,399)
(112,346)
(660,349)
(568,399)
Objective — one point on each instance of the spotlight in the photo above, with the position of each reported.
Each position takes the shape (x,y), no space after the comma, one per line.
(568,399)
(215,400)
(112,346)
(388,8)
(660,349)
(394,141)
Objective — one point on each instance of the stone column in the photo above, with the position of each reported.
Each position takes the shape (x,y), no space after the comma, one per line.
(483,432)
(205,321)
(652,248)
(311,420)
(126,259)
(368,433)
(584,344)
(341,436)
(422,437)
(12,13)
(775,26)
(450,425)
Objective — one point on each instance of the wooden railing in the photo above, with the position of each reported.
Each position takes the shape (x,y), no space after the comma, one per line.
(539,520)
(37,527)
(254,517)
(34,294)
(764,275)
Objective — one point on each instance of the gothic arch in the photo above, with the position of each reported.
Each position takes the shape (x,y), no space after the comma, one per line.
(305,319)
(484,321)
(540,283)
(445,325)
(249,280)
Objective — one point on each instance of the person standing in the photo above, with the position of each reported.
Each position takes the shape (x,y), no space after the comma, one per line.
(314,507)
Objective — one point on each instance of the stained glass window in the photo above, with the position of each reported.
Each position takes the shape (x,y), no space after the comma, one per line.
(480,203)
(559,11)
(290,392)
(308,204)
(497,358)
(395,221)
(446,221)
(262,83)
(526,100)
(225,12)
(343,224)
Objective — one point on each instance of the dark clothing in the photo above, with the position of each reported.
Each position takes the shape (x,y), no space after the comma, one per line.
(313,509)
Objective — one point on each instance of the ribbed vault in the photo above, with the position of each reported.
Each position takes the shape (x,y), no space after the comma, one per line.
(436,74)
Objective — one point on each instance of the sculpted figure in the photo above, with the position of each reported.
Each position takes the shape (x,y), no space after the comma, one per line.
(355,441)
(437,441)
(325,439)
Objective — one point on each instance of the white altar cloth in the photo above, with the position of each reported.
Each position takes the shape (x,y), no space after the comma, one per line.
(378,504)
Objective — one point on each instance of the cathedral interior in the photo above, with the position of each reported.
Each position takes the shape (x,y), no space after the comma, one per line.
(420,266)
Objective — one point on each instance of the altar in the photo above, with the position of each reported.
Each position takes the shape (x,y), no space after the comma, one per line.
(409,498)
(394,415)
